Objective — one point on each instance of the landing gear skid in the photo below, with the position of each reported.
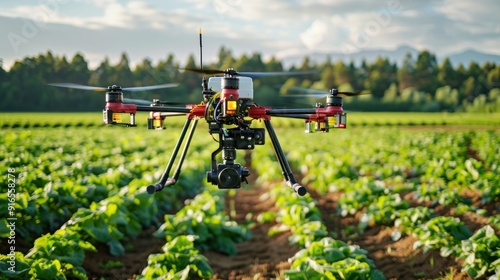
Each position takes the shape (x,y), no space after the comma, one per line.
(229,174)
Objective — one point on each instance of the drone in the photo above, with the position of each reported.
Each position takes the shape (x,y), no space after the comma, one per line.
(228,108)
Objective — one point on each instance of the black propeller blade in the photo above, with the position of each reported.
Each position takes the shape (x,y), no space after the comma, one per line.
(319,93)
(149,102)
(104,89)
(233,72)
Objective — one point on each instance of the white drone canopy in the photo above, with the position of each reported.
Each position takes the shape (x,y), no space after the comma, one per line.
(245,90)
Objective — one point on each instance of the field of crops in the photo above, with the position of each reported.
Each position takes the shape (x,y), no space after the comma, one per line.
(391,198)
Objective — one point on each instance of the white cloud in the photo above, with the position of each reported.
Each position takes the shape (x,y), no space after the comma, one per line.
(111,13)
(314,36)
(279,27)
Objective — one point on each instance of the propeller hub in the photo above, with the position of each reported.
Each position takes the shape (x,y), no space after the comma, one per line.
(230,72)
(114,88)
(334,91)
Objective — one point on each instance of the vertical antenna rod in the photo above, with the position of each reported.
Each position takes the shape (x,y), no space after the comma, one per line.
(201,53)
(204,82)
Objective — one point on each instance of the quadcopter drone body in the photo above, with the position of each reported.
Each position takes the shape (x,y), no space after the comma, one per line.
(229,110)
(229,114)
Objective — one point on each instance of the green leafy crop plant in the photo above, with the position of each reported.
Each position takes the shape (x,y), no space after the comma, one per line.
(332,259)
(442,233)
(204,218)
(180,259)
(383,210)
(322,256)
(200,225)
(89,183)
(481,253)
(377,169)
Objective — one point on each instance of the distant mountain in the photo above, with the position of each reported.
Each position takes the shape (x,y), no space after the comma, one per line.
(467,56)
(396,55)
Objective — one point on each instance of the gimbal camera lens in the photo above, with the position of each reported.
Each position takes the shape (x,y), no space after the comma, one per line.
(229,178)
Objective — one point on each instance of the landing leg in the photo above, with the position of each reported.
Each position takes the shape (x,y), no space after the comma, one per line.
(165,180)
(285,167)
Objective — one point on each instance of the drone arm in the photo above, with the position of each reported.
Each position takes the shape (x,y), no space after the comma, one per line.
(165,109)
(293,116)
(285,166)
(283,112)
(165,180)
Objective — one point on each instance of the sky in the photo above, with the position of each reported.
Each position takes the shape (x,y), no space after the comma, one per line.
(281,28)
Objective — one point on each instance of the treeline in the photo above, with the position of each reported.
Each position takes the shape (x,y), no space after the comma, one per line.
(419,84)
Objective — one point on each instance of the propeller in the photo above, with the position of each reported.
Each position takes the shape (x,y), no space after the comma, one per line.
(113,87)
(319,93)
(233,72)
(149,102)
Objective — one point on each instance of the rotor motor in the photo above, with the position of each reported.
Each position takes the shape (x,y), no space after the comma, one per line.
(114,94)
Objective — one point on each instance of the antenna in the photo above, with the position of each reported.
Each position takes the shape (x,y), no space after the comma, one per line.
(201,53)
(204,82)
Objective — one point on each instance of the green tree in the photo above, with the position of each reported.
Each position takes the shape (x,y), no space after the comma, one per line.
(306,65)
(494,77)
(406,74)
(102,75)
(487,67)
(447,97)
(341,73)
(391,94)
(480,75)
(167,71)
(469,89)
(224,54)
(122,75)
(191,82)
(274,65)
(327,78)
(474,70)
(79,70)
(447,75)
(426,71)
(143,73)
(27,86)
(381,75)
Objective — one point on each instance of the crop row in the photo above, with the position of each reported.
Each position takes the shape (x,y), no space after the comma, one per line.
(62,194)
(60,254)
(373,169)
(321,256)
(60,171)
(112,220)
(201,225)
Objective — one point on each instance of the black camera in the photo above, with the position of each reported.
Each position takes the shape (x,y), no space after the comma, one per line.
(228,176)
(247,139)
